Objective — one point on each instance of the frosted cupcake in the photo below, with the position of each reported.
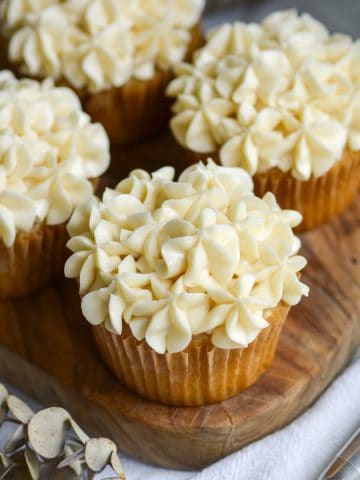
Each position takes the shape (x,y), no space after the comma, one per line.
(117,54)
(187,283)
(50,156)
(280,99)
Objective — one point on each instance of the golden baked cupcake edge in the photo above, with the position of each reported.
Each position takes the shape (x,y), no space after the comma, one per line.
(187,283)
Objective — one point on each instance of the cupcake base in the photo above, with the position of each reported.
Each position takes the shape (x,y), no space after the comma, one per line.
(34,260)
(201,374)
(319,200)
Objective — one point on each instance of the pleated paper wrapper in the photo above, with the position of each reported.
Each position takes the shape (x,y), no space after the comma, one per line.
(201,374)
(34,260)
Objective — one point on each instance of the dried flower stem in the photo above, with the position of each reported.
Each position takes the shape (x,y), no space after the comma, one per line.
(50,444)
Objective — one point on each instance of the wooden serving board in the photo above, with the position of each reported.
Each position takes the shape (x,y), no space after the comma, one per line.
(47,350)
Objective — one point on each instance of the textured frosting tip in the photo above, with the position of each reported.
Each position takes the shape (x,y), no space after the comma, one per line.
(173,259)
(284,93)
(98,44)
(48,150)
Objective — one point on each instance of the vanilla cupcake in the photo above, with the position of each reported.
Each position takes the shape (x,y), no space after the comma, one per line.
(118,55)
(280,99)
(50,157)
(187,283)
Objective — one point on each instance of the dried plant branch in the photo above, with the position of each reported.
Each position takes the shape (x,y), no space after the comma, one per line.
(50,444)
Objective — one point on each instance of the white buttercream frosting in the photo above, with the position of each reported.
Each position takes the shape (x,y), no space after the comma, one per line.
(48,151)
(283,93)
(98,44)
(173,259)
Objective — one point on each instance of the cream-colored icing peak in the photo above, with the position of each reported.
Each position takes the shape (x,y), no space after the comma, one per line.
(283,93)
(98,44)
(48,150)
(173,259)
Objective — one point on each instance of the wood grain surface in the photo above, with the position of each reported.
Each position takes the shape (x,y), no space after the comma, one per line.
(48,351)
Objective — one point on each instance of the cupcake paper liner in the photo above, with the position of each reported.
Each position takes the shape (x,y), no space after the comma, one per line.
(133,111)
(201,374)
(34,260)
(319,200)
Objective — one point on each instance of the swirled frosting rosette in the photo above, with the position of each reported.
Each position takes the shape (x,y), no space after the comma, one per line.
(49,152)
(117,54)
(98,44)
(173,259)
(283,94)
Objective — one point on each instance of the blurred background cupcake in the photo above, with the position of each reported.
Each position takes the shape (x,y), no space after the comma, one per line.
(187,283)
(117,55)
(50,157)
(280,99)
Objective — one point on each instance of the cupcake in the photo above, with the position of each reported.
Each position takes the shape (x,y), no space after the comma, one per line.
(280,99)
(117,55)
(50,157)
(186,283)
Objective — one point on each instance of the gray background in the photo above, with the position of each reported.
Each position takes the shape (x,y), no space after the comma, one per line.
(339,15)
